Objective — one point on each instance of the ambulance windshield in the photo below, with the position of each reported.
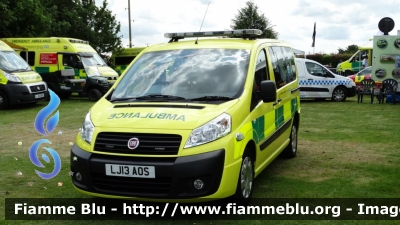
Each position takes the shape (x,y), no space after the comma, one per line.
(93,60)
(99,60)
(189,74)
(11,62)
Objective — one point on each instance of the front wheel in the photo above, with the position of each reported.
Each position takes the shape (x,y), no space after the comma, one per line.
(339,94)
(4,104)
(291,150)
(94,95)
(244,189)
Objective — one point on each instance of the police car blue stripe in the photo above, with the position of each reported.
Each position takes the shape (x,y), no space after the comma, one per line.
(324,82)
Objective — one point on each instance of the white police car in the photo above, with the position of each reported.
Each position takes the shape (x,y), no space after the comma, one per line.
(318,82)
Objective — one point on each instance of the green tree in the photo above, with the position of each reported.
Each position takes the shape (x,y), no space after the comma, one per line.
(82,19)
(351,49)
(26,18)
(104,29)
(249,17)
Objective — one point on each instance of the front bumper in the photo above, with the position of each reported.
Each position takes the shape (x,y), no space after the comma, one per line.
(174,176)
(25,93)
(351,91)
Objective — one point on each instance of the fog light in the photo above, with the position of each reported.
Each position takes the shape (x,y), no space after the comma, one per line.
(78,176)
(198,184)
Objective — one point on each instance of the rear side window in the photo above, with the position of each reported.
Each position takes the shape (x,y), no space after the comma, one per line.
(29,57)
(283,64)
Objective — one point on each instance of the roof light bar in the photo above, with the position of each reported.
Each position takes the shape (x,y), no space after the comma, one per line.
(230,33)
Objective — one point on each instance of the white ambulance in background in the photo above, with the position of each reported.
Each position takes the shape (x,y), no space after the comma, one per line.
(318,82)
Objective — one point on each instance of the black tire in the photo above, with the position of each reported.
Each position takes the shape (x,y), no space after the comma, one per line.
(244,188)
(339,94)
(291,150)
(94,95)
(4,103)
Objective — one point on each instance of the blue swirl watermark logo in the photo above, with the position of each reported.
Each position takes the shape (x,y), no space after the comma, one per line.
(46,129)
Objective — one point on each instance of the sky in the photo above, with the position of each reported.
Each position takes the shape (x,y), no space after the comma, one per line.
(339,23)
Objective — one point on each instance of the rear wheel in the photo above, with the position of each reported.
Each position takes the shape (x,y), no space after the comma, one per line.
(244,189)
(4,103)
(339,94)
(94,95)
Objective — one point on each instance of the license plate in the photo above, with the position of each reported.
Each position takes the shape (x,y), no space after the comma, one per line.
(130,171)
(39,95)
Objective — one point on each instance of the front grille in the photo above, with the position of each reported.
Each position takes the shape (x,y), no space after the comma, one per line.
(149,144)
(37,88)
(131,186)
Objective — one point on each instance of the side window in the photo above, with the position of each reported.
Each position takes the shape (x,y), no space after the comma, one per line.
(261,68)
(259,75)
(70,60)
(316,70)
(283,64)
(290,64)
(29,57)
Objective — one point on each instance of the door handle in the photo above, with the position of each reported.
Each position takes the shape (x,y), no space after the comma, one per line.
(310,79)
(294,90)
(277,101)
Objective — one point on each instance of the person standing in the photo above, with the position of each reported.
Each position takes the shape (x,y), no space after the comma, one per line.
(365,62)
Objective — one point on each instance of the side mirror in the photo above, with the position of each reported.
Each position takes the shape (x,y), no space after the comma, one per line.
(268,91)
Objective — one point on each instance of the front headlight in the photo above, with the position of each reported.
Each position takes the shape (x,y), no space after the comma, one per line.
(87,129)
(12,77)
(213,130)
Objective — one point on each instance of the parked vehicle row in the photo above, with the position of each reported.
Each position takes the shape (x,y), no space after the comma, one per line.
(66,65)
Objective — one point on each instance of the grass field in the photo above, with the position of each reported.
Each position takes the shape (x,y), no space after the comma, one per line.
(345,150)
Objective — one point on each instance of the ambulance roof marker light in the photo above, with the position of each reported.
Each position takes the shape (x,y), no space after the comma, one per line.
(245,33)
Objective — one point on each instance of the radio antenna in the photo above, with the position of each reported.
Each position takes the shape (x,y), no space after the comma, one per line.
(202,22)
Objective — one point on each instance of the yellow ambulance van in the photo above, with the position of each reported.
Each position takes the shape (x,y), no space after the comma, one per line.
(354,64)
(19,84)
(42,54)
(120,60)
(191,120)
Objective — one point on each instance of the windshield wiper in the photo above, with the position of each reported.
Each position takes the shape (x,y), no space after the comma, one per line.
(161,97)
(211,98)
(121,99)
(149,97)
(17,70)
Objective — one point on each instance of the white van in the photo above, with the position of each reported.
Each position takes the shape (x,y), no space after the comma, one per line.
(318,82)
